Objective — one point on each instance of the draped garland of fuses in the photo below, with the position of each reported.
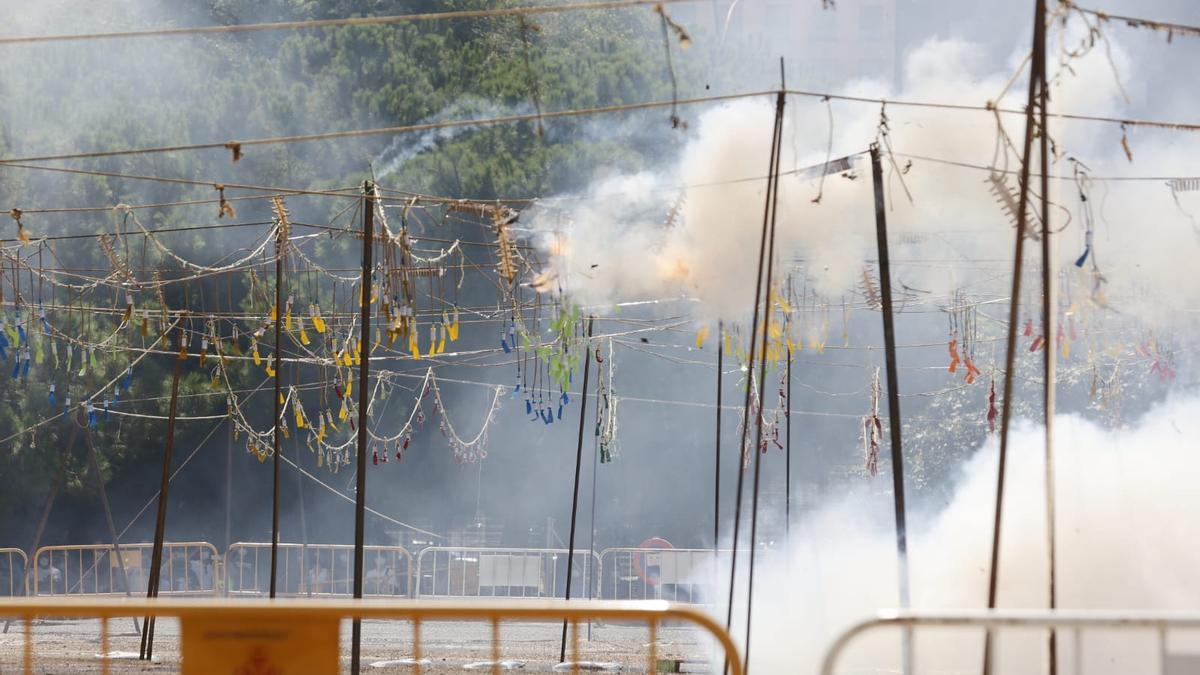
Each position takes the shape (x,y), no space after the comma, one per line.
(82,334)
(72,346)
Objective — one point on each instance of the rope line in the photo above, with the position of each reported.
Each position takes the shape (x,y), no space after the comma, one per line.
(579,112)
(333,23)
(237,146)
(1137,22)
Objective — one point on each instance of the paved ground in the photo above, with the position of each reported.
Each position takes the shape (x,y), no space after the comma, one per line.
(447,647)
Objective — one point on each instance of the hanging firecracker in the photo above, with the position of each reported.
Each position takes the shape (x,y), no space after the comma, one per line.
(872,429)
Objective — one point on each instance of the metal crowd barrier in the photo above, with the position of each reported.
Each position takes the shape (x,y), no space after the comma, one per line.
(196,568)
(317,570)
(188,568)
(13,565)
(1105,652)
(476,572)
(266,614)
(674,574)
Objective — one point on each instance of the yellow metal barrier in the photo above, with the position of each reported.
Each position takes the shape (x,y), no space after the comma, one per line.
(13,566)
(188,568)
(1114,648)
(217,619)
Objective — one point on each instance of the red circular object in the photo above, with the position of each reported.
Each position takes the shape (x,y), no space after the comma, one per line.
(639,567)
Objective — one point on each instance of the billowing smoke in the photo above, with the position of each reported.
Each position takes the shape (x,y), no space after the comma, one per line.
(693,229)
(1125,541)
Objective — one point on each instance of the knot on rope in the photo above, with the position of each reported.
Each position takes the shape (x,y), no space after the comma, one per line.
(225,208)
(235,148)
(22,235)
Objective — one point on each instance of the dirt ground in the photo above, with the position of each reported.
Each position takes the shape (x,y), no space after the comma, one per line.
(446,647)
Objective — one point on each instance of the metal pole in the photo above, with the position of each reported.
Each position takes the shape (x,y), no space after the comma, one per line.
(717,454)
(280,248)
(587,360)
(50,497)
(303,521)
(717,457)
(1049,320)
(364,401)
(895,425)
(762,249)
(787,453)
(160,523)
(1039,44)
(229,487)
(53,494)
(592,538)
(773,178)
(94,461)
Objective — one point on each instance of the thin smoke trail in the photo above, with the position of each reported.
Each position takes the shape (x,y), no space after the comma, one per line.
(404,148)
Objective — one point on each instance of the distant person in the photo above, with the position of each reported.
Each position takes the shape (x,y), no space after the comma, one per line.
(241,572)
(318,575)
(341,572)
(9,572)
(200,571)
(135,576)
(49,577)
(380,579)
(173,574)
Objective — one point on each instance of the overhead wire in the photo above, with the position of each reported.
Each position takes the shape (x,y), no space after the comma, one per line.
(393,130)
(983,167)
(527,10)
(578,112)
(1172,29)
(271,191)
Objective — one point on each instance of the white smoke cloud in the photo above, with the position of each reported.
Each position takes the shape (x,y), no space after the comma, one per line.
(1126,538)
(617,245)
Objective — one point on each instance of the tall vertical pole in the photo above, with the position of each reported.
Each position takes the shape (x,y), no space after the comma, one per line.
(562,652)
(94,462)
(773,179)
(717,453)
(48,507)
(160,523)
(52,495)
(228,449)
(1038,57)
(364,402)
(592,537)
(787,453)
(37,537)
(280,248)
(229,486)
(41,526)
(758,290)
(1048,320)
(303,520)
(893,393)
